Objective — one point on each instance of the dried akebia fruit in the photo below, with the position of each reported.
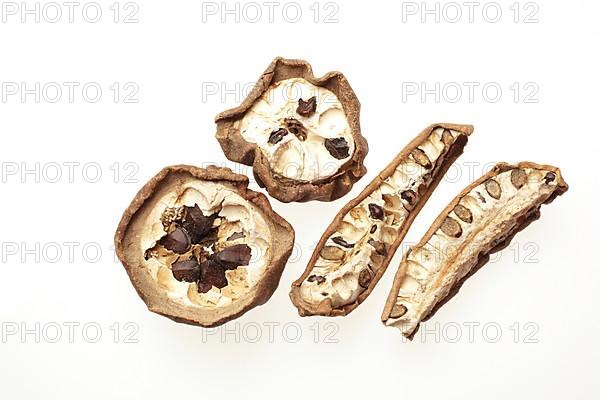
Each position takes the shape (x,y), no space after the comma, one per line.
(433,271)
(375,223)
(176,241)
(300,133)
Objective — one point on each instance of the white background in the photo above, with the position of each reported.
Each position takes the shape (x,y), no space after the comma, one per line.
(176,55)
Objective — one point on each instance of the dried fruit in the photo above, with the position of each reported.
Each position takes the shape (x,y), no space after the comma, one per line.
(307,108)
(375,223)
(433,271)
(324,158)
(176,235)
(277,135)
(338,148)
(376,211)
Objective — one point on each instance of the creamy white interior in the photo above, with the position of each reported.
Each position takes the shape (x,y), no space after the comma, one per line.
(341,284)
(432,270)
(292,158)
(240,216)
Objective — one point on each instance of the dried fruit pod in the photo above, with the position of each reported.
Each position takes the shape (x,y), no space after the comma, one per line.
(481,220)
(201,248)
(357,247)
(300,133)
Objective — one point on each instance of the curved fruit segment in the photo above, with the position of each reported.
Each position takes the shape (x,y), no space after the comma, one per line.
(201,248)
(481,220)
(357,247)
(300,133)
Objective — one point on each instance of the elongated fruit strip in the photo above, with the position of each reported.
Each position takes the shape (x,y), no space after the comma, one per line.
(356,248)
(481,220)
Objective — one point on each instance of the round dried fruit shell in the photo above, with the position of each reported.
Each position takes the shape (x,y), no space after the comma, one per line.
(134,224)
(284,189)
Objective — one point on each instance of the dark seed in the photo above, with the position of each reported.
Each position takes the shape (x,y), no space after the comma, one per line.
(397,311)
(421,158)
(493,188)
(337,147)
(373,228)
(364,278)
(550,176)
(177,241)
(196,223)
(376,211)
(212,273)
(308,107)
(379,247)
(236,236)
(339,240)
(186,271)
(316,278)
(233,256)
(277,135)
(409,196)
(518,178)
(463,213)
(451,228)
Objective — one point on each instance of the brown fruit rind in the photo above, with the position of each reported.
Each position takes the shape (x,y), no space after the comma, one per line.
(132,255)
(482,257)
(445,160)
(284,189)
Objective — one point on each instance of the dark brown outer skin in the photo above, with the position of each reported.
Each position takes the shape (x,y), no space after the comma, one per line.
(483,258)
(149,291)
(325,309)
(284,189)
